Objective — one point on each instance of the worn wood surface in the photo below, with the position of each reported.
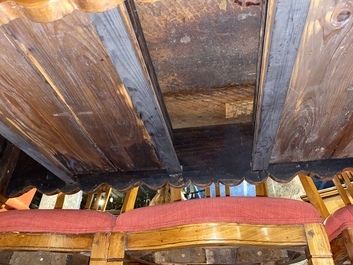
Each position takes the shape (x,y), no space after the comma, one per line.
(202,44)
(47,11)
(227,235)
(80,111)
(46,242)
(339,250)
(284,25)
(122,46)
(316,121)
(224,234)
(207,107)
(20,115)
(319,253)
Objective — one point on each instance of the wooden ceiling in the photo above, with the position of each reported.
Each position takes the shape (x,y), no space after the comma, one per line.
(125,92)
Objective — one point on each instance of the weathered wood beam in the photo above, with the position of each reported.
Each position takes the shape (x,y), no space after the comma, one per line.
(8,161)
(117,35)
(208,154)
(284,27)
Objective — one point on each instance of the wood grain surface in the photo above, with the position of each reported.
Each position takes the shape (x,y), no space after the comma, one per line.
(47,11)
(207,107)
(284,25)
(28,105)
(199,44)
(120,41)
(316,122)
(83,115)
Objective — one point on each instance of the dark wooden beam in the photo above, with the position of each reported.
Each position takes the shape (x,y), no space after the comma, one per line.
(283,30)
(118,36)
(8,161)
(216,153)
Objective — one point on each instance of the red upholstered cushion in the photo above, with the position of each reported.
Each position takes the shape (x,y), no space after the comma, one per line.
(338,221)
(251,210)
(56,221)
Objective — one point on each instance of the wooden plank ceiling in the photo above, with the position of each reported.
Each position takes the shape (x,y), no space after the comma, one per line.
(151,92)
(304,114)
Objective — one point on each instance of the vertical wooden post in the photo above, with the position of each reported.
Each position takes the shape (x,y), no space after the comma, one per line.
(99,251)
(116,251)
(318,245)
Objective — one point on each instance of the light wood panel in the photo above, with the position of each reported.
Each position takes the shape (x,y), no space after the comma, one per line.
(207,107)
(46,241)
(27,108)
(316,121)
(221,235)
(77,73)
(48,11)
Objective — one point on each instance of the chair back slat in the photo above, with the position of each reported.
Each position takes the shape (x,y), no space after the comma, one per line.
(261,190)
(89,201)
(208,192)
(129,200)
(341,191)
(313,195)
(335,197)
(217,190)
(175,194)
(60,201)
(347,178)
(227,190)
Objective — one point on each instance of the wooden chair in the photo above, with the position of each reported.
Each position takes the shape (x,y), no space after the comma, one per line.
(339,224)
(250,223)
(261,191)
(58,230)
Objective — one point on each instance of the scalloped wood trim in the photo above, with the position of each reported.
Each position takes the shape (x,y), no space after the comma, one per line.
(44,11)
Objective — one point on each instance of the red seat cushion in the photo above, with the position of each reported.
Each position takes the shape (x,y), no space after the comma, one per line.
(339,221)
(56,221)
(251,210)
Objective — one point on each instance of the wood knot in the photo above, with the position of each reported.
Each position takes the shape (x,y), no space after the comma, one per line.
(342,14)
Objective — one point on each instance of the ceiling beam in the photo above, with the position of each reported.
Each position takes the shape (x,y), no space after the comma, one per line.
(283,29)
(125,50)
